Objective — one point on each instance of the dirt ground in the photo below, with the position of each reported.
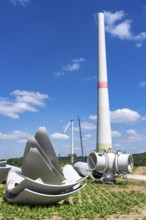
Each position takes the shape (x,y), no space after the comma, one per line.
(138,215)
(140,170)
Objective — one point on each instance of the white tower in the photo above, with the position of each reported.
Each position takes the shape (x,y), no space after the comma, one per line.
(104,140)
(105,165)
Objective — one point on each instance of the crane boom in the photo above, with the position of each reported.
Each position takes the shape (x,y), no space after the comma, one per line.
(81,136)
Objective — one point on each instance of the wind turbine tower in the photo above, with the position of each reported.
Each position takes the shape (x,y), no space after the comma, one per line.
(104,161)
(104,140)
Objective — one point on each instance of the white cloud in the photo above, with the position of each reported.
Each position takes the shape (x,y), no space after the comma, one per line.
(121,30)
(140,37)
(93,117)
(87,137)
(116,134)
(112,18)
(118,26)
(34,98)
(135,137)
(14,135)
(88,126)
(116,145)
(142,84)
(76,129)
(78,60)
(23,101)
(131,132)
(124,115)
(22,2)
(59,136)
(22,141)
(74,65)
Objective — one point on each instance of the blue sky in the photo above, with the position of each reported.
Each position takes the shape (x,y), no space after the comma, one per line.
(48,69)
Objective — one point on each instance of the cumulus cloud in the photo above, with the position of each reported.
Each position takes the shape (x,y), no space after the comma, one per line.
(124,115)
(135,137)
(131,132)
(88,126)
(93,117)
(116,134)
(21,102)
(34,98)
(22,141)
(74,65)
(112,18)
(14,135)
(21,2)
(59,136)
(79,60)
(87,137)
(118,26)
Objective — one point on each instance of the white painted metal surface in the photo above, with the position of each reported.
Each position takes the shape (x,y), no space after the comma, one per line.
(104,140)
(32,169)
(5,169)
(43,140)
(110,164)
(36,167)
(41,180)
(83,169)
(16,183)
(31,197)
(71,174)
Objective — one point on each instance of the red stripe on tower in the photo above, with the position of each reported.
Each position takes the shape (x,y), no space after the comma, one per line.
(102,84)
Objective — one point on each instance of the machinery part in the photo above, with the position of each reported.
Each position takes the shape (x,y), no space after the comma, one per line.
(110,164)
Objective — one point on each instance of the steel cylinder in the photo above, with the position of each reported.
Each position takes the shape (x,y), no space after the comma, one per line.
(97,161)
(124,163)
(82,168)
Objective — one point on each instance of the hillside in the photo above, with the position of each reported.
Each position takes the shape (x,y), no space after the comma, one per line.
(139,159)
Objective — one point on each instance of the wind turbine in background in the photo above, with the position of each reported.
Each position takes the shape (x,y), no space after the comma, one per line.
(71,122)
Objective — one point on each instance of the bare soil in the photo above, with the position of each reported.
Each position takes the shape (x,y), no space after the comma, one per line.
(140,170)
(138,214)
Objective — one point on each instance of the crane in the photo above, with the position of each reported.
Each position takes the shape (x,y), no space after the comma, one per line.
(80,136)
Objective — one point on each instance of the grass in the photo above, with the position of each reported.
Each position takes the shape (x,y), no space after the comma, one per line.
(94,201)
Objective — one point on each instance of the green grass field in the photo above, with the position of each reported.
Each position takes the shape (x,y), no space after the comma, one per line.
(94,201)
